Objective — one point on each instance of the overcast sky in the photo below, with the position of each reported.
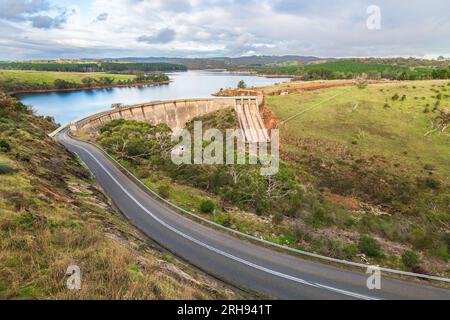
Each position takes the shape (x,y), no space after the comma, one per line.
(46,29)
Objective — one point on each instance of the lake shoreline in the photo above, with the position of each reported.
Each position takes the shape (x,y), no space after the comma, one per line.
(68,106)
(85,88)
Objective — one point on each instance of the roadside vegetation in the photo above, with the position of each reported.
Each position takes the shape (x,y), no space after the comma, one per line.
(53,215)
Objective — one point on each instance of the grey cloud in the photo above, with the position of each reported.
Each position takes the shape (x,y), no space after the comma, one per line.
(162,36)
(102,17)
(34,12)
(47,22)
(176,5)
(16,9)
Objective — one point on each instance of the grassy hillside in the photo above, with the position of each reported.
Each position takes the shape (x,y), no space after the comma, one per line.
(29,81)
(40,77)
(53,215)
(375,120)
(380,153)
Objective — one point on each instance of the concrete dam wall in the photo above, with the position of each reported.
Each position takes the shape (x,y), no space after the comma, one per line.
(176,113)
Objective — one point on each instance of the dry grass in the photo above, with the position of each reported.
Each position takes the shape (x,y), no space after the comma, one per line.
(48,77)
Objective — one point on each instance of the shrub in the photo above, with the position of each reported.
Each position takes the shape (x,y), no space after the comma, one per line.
(23,157)
(386,106)
(26,219)
(369,246)
(395,97)
(207,206)
(441,252)
(421,239)
(432,183)
(361,83)
(262,207)
(242,85)
(403,98)
(164,191)
(437,104)
(446,239)
(319,217)
(50,119)
(225,220)
(410,260)
(277,219)
(5,168)
(349,251)
(4,146)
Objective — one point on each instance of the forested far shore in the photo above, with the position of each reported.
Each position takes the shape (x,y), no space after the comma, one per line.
(348,69)
(93,67)
(16,82)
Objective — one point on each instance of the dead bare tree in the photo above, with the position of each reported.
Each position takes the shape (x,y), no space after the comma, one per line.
(440,123)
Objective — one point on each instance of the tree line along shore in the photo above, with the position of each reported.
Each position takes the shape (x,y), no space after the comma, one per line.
(21,81)
(27,77)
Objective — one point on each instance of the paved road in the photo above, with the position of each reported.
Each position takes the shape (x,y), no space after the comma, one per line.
(239,262)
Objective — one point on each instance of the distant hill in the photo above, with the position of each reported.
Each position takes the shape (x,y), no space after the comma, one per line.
(224,62)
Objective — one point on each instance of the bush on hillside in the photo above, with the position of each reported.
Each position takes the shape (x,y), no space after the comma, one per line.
(319,217)
(369,246)
(433,183)
(207,206)
(410,260)
(4,146)
(277,219)
(24,157)
(421,239)
(164,191)
(5,168)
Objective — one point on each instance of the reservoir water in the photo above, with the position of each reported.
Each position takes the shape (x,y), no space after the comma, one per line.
(68,106)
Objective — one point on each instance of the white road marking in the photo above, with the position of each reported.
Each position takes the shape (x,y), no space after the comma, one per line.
(218,251)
